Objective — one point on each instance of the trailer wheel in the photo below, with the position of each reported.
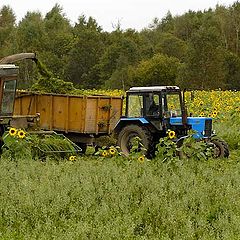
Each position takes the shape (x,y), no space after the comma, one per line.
(220,148)
(83,146)
(128,133)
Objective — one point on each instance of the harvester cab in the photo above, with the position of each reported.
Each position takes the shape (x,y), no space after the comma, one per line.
(8,82)
(152,111)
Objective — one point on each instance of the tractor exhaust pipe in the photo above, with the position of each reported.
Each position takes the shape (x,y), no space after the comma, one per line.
(184,110)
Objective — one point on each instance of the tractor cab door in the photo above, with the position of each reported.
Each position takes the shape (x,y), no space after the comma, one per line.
(152,105)
(171,104)
(144,104)
(171,107)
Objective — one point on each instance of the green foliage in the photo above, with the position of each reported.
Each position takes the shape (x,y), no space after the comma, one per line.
(172,46)
(193,149)
(48,83)
(205,42)
(160,70)
(52,85)
(7,30)
(169,150)
(94,199)
(36,146)
(16,148)
(205,61)
(229,130)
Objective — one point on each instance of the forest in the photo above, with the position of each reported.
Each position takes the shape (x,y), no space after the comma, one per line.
(196,50)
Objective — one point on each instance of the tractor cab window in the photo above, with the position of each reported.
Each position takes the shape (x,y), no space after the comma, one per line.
(171,105)
(8,97)
(152,104)
(135,105)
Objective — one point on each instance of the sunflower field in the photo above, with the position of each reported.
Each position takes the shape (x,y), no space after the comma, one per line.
(104,195)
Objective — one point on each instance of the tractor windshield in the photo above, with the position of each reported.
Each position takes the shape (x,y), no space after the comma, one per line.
(171,103)
(8,97)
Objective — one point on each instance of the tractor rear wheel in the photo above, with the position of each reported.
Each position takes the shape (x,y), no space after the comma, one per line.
(220,148)
(128,133)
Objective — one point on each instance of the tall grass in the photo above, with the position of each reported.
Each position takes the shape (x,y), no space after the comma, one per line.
(229,130)
(96,198)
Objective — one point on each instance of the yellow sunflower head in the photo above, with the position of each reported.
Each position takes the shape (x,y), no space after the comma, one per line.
(12,131)
(21,134)
(112,151)
(214,114)
(105,153)
(72,158)
(141,159)
(171,134)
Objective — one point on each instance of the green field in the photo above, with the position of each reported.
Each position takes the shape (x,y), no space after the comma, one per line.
(99,197)
(114,198)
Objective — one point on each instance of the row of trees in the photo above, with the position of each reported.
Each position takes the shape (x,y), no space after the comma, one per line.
(195,50)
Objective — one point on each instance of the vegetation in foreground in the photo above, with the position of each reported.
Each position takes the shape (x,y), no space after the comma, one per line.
(113,198)
(108,196)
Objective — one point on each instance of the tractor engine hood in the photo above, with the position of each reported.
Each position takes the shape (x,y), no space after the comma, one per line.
(202,125)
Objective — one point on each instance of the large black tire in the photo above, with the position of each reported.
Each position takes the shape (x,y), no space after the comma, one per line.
(130,132)
(220,148)
(83,146)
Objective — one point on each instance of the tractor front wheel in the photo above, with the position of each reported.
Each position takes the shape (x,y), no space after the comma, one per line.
(127,135)
(220,148)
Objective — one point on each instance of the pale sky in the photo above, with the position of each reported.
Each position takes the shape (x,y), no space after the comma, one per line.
(136,14)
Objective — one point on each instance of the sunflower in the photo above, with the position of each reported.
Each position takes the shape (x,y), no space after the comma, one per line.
(12,131)
(104,153)
(141,159)
(112,151)
(21,134)
(171,134)
(72,158)
(214,114)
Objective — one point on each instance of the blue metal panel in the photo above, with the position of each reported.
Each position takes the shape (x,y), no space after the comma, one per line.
(176,121)
(197,124)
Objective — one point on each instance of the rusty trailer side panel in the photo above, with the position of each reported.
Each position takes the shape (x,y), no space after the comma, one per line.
(71,113)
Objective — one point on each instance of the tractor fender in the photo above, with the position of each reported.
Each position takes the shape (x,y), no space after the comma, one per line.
(180,140)
(126,121)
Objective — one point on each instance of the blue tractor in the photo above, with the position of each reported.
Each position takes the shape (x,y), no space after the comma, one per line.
(152,111)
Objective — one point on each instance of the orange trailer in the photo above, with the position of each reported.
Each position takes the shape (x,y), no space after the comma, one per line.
(80,118)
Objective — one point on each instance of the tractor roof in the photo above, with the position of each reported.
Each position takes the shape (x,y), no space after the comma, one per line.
(8,70)
(153,89)
(4,66)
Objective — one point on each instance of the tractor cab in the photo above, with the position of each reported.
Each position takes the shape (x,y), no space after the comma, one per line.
(154,102)
(156,105)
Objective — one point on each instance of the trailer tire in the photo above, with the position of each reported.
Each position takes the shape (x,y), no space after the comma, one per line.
(131,131)
(220,148)
(83,146)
